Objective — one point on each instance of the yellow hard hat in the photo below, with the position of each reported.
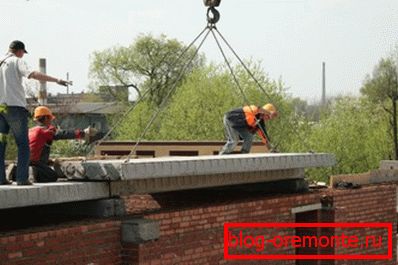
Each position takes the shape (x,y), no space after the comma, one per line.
(270,108)
(42,111)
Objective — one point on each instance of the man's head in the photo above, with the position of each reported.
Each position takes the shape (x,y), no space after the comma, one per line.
(18,48)
(270,111)
(43,115)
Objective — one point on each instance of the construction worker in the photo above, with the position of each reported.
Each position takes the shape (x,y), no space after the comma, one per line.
(13,113)
(40,140)
(243,123)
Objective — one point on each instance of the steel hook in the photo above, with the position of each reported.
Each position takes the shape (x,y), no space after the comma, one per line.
(213,16)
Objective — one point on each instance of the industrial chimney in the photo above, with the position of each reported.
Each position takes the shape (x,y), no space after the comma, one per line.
(42,98)
(323,83)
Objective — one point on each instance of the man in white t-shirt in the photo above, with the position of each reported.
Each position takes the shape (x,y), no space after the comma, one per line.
(13,112)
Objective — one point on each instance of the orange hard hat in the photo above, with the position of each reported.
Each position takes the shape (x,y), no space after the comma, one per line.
(270,108)
(42,111)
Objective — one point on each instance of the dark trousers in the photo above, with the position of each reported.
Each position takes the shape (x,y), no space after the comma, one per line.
(43,173)
(15,119)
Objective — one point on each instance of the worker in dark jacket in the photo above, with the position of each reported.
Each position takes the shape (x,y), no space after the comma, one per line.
(40,140)
(244,123)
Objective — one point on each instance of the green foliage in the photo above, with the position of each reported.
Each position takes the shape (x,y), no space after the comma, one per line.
(382,85)
(196,110)
(198,107)
(69,148)
(135,122)
(354,130)
(382,88)
(149,64)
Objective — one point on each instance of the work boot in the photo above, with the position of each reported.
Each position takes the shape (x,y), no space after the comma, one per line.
(10,171)
(6,182)
(25,183)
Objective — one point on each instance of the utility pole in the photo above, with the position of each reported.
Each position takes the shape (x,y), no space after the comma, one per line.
(323,84)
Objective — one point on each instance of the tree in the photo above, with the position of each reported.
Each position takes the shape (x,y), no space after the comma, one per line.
(196,110)
(149,64)
(356,138)
(382,88)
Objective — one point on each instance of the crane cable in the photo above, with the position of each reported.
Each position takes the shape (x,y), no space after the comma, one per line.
(252,76)
(212,20)
(173,87)
(132,107)
(245,98)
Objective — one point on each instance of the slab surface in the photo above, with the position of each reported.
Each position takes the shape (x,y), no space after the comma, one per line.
(162,167)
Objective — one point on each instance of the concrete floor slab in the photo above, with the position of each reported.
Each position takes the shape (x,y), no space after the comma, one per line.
(152,185)
(13,196)
(163,167)
(112,178)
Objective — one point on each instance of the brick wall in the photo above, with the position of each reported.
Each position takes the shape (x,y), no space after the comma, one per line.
(92,243)
(191,224)
(369,204)
(191,227)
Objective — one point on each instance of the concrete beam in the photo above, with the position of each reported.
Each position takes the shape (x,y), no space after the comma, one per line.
(372,177)
(139,230)
(13,196)
(307,208)
(388,165)
(95,208)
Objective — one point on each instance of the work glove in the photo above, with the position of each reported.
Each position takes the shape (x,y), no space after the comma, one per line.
(271,148)
(89,134)
(3,108)
(64,83)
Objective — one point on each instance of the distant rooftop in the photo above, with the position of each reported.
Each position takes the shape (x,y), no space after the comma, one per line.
(80,103)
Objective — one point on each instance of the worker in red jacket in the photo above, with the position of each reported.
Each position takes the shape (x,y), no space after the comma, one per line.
(40,140)
(243,123)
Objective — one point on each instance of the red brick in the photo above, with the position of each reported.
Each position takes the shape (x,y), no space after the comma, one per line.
(14,255)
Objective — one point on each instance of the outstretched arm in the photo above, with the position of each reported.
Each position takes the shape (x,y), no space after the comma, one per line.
(43,77)
(68,134)
(262,132)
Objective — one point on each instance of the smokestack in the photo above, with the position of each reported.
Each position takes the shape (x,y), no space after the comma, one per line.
(43,85)
(323,83)
(67,86)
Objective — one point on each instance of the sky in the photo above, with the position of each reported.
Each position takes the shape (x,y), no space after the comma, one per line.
(291,38)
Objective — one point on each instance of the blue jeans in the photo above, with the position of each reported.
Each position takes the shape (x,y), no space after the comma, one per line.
(16,119)
(233,138)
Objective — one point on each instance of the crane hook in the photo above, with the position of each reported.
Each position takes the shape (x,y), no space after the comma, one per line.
(213,16)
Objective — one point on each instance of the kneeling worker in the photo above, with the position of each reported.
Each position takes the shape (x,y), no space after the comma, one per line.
(244,123)
(41,138)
